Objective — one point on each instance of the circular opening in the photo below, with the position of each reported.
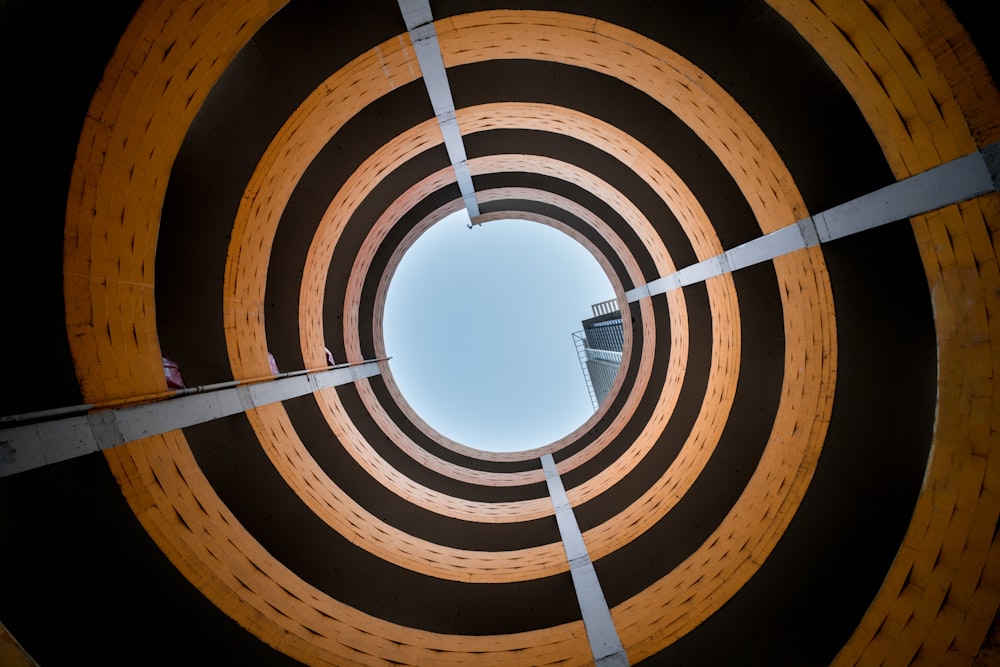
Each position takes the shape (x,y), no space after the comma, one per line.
(482,327)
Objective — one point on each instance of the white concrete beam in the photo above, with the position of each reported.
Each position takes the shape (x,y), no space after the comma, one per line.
(605,645)
(420,24)
(956,181)
(27,446)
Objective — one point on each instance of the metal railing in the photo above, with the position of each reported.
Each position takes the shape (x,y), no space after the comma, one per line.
(56,413)
(580,341)
(36,439)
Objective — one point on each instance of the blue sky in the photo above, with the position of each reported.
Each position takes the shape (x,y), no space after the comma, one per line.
(479,325)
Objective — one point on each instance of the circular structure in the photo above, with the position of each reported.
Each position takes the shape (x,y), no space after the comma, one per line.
(798,465)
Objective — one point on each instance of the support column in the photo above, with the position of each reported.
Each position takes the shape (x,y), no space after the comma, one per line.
(601,633)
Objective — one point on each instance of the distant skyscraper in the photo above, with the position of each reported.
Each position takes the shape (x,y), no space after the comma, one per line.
(599,346)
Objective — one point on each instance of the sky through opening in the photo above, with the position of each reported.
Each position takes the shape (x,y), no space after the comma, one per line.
(479,326)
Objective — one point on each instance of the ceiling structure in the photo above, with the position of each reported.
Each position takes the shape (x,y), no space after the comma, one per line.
(799,465)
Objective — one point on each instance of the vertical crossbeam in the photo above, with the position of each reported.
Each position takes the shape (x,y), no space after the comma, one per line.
(605,645)
(420,24)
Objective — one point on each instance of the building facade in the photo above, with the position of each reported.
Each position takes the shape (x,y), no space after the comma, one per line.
(600,345)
